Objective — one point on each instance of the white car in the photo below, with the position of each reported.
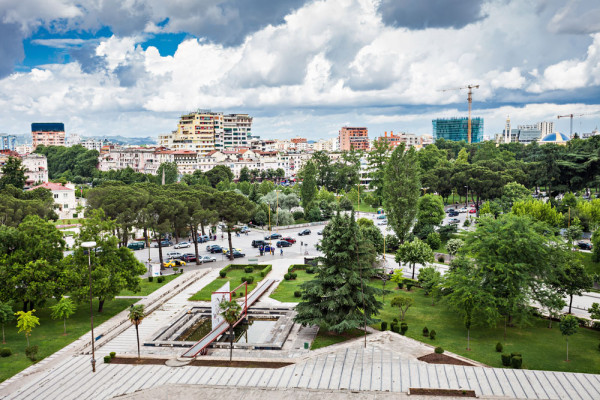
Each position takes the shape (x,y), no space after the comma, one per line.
(182,245)
(173,255)
(206,259)
(384,222)
(463,210)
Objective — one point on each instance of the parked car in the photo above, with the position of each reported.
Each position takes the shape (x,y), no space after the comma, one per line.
(245,229)
(188,257)
(283,243)
(450,210)
(258,243)
(289,239)
(174,263)
(453,214)
(472,211)
(273,236)
(226,249)
(454,221)
(182,245)
(584,245)
(206,259)
(319,233)
(382,216)
(203,238)
(236,254)
(136,245)
(215,248)
(210,247)
(384,222)
(304,232)
(163,243)
(462,210)
(174,255)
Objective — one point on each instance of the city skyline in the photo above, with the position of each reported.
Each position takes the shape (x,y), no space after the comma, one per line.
(300,68)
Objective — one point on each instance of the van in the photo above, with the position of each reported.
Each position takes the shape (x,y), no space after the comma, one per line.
(136,245)
(258,243)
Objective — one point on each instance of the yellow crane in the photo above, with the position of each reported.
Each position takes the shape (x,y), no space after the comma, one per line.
(470,100)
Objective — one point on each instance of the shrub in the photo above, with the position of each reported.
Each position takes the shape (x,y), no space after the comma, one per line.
(247,279)
(287,277)
(235,293)
(6,352)
(293,275)
(248,270)
(310,270)
(425,332)
(441,259)
(506,359)
(432,334)
(160,279)
(383,326)
(499,347)
(150,278)
(31,352)
(395,320)
(515,354)
(107,359)
(400,285)
(403,328)
(434,241)
(112,354)
(266,270)
(439,350)
(409,286)
(516,362)
(395,328)
(297,293)
(467,222)
(222,274)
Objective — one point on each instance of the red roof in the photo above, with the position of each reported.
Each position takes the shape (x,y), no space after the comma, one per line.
(51,186)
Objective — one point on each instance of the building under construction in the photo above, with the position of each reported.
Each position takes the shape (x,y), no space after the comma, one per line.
(457,129)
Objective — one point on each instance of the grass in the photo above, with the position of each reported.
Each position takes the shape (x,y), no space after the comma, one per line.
(325,338)
(48,336)
(590,266)
(364,208)
(68,221)
(234,277)
(148,287)
(285,290)
(542,348)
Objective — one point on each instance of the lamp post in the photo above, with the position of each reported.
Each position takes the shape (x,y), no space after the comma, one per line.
(89,246)
(467,199)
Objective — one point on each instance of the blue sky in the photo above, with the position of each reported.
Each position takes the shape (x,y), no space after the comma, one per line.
(301,68)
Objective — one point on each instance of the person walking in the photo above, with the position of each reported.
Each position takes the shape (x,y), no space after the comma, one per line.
(281,251)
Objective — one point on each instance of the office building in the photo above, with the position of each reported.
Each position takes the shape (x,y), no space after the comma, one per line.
(48,133)
(353,138)
(456,129)
(8,142)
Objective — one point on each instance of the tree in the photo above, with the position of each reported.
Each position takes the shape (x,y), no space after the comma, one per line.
(573,233)
(568,326)
(512,192)
(339,298)
(167,173)
(6,315)
(13,173)
(218,174)
(403,303)
(401,190)
(26,321)
(415,252)
(309,184)
(430,210)
(63,310)
(453,246)
(398,276)
(244,175)
(234,209)
(429,278)
(539,211)
(551,301)
(572,279)
(594,311)
(377,159)
(231,312)
(136,315)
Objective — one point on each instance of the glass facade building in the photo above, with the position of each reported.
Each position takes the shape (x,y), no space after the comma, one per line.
(8,142)
(456,129)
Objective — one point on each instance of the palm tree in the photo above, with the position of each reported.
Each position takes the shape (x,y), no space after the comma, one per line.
(136,315)
(231,313)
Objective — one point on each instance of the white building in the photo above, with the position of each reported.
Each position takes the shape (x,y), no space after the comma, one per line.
(24,149)
(36,168)
(93,144)
(140,159)
(72,139)
(65,203)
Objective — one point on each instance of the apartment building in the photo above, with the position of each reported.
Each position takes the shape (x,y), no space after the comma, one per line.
(140,159)
(36,168)
(409,139)
(353,138)
(48,133)
(8,142)
(65,203)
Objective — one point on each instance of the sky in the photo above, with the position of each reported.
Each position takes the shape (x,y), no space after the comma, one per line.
(300,68)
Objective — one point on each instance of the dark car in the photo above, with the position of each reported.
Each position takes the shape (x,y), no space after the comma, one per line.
(304,232)
(289,239)
(273,236)
(450,210)
(215,248)
(319,233)
(236,254)
(163,243)
(453,214)
(258,243)
(283,243)
(210,246)
(187,257)
(584,245)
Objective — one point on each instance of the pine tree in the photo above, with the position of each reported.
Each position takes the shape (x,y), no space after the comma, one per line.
(334,299)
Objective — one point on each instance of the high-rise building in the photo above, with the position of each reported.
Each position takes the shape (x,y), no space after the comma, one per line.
(354,138)
(456,129)
(48,133)
(8,142)
(237,131)
(409,139)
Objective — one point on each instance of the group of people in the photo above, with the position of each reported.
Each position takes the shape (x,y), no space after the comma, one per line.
(270,249)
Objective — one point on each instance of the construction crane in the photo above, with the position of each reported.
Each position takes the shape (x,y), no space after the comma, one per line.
(470,100)
(571,117)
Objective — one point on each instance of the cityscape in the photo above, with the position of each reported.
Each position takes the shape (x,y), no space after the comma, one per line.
(299,199)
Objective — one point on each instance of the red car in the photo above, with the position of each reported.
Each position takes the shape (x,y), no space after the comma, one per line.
(472,211)
(289,239)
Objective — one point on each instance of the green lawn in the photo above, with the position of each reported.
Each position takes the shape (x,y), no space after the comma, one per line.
(68,221)
(590,266)
(234,276)
(325,339)
(148,287)
(285,290)
(542,348)
(364,208)
(48,336)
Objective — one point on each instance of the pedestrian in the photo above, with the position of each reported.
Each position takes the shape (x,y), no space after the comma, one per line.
(281,251)
(272,251)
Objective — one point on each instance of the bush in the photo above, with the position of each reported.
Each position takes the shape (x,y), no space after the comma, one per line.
(112,354)
(346,204)
(409,286)
(293,275)
(506,359)
(298,215)
(403,328)
(160,279)
(297,293)
(432,334)
(441,259)
(248,270)
(383,326)
(150,278)
(515,354)
(31,352)
(6,352)
(395,328)
(395,320)
(310,270)
(439,350)
(287,277)
(234,293)
(434,241)
(499,347)
(266,270)
(425,332)
(107,359)
(247,279)
(467,222)
(446,231)
(400,285)
(516,362)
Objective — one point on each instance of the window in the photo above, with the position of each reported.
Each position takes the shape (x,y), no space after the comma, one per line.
(56,196)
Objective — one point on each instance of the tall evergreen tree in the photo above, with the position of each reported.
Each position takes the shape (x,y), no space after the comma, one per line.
(377,159)
(13,173)
(339,298)
(309,184)
(401,190)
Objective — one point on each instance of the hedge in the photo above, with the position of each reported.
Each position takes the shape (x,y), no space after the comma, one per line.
(243,266)
(266,270)
(294,267)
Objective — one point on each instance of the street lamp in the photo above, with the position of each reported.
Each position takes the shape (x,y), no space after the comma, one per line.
(467,199)
(90,246)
